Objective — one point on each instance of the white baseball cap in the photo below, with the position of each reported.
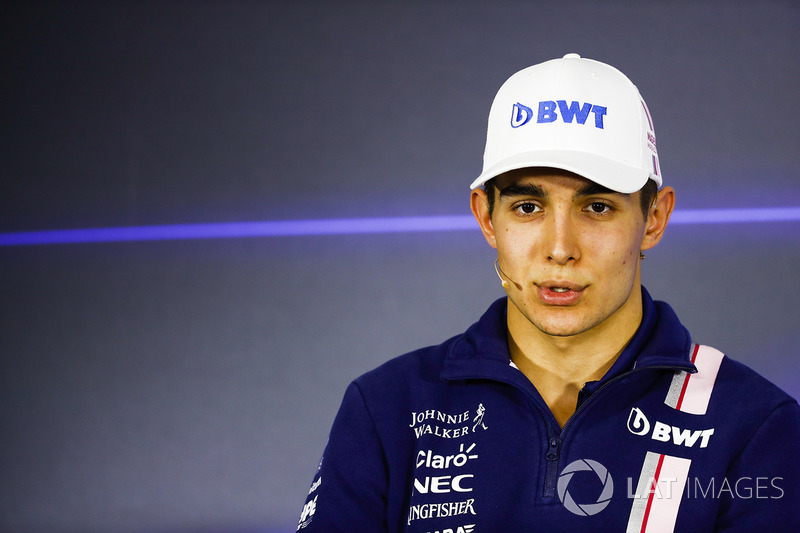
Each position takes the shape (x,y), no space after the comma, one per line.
(573,114)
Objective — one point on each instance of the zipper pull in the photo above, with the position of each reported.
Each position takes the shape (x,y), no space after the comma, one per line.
(551,470)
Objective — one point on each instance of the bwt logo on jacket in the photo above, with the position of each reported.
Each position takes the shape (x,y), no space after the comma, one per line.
(549,112)
(638,424)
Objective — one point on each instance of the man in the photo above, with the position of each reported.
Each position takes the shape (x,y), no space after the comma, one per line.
(576,403)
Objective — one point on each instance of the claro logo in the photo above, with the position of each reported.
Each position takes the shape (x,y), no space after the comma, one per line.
(448,483)
(638,424)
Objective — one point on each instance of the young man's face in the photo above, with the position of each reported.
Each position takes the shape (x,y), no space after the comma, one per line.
(569,248)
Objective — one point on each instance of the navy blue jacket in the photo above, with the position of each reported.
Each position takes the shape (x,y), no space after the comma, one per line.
(454,438)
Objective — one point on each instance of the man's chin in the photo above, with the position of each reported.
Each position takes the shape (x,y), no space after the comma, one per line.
(561,327)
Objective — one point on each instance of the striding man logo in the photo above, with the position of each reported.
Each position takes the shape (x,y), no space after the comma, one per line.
(478,420)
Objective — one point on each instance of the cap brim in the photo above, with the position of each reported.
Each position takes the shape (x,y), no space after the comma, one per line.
(611,174)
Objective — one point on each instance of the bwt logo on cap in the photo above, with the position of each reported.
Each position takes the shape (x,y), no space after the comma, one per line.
(549,112)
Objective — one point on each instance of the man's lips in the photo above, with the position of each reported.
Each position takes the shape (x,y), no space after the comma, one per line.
(562,285)
(560,292)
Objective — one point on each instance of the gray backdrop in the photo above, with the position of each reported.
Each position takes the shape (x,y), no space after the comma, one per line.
(189,385)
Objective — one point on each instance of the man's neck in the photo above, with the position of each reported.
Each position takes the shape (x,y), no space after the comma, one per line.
(558,366)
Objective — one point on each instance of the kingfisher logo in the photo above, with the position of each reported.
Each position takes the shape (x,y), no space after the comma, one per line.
(638,424)
(585,509)
(552,110)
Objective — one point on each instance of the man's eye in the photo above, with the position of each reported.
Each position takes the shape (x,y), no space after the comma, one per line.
(599,207)
(527,208)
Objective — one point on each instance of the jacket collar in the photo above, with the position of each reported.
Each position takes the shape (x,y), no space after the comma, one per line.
(661,341)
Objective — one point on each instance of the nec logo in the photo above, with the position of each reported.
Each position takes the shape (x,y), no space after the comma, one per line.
(442,484)
(549,112)
(639,425)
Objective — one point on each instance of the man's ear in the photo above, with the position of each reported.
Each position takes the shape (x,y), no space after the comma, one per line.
(479,204)
(657,217)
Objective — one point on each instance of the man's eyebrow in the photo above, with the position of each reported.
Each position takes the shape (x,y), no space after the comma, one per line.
(533,190)
(595,188)
(523,190)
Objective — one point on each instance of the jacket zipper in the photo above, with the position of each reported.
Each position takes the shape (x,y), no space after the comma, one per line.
(554,441)
(551,470)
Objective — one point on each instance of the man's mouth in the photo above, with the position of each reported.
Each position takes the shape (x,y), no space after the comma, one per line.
(560,293)
(561,286)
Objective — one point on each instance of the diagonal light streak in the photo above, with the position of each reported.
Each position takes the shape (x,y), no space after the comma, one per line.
(344,226)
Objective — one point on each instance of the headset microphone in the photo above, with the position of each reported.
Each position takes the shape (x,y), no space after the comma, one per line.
(497,270)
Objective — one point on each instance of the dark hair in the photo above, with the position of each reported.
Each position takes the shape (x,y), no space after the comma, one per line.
(648,196)
(649,193)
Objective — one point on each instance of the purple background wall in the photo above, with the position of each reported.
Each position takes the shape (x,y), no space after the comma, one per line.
(189,385)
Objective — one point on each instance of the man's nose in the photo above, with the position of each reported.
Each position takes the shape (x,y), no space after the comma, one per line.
(561,242)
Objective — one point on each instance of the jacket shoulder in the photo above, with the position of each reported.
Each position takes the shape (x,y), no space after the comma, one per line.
(740,383)
(406,372)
